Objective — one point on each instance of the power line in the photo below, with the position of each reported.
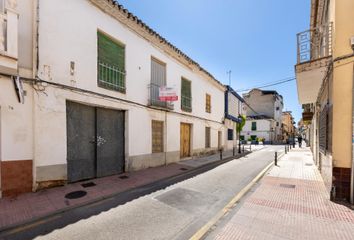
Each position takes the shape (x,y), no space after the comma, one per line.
(268,84)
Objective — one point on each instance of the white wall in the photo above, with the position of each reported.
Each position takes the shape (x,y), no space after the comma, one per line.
(16,135)
(263,129)
(68,32)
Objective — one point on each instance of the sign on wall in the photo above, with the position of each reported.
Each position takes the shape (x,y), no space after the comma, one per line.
(167,94)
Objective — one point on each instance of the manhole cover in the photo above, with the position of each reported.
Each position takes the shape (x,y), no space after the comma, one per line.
(75,195)
(183,169)
(88,184)
(287,185)
(123,177)
(308,164)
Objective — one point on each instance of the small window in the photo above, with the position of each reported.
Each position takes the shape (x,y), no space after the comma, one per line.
(207,103)
(230,134)
(254,126)
(254,137)
(277,108)
(157,136)
(242,137)
(110,64)
(277,124)
(207,137)
(186,95)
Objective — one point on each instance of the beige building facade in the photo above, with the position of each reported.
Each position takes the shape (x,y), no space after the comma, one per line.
(266,103)
(288,127)
(325,88)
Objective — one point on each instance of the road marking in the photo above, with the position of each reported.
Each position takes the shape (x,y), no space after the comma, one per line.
(20,229)
(202,231)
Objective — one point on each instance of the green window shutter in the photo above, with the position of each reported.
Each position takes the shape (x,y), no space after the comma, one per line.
(186,88)
(254,126)
(111,52)
(186,95)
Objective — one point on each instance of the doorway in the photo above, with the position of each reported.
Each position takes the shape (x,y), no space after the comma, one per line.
(95,142)
(185,140)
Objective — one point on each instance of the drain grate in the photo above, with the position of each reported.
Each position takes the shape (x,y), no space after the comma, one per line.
(75,194)
(183,169)
(308,164)
(287,185)
(88,184)
(123,177)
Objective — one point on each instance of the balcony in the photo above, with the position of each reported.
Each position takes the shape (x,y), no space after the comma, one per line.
(8,37)
(154,99)
(314,51)
(111,77)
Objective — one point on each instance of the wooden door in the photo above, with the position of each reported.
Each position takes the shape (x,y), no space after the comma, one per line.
(185,140)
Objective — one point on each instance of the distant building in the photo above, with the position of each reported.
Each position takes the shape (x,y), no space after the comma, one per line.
(259,127)
(266,103)
(288,127)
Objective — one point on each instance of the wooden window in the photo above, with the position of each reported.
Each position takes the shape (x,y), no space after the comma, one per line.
(157,136)
(207,103)
(254,126)
(111,63)
(230,134)
(207,137)
(186,95)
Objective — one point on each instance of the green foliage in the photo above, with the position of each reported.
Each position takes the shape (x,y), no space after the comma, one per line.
(240,126)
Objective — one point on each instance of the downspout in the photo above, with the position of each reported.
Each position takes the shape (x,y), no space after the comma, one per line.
(35,65)
(352,170)
(35,34)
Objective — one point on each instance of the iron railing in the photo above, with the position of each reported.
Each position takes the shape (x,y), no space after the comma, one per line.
(186,103)
(111,77)
(314,43)
(154,99)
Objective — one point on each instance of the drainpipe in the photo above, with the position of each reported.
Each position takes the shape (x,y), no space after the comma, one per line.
(352,170)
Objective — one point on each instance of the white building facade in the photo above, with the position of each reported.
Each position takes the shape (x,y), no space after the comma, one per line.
(91,73)
(234,107)
(257,128)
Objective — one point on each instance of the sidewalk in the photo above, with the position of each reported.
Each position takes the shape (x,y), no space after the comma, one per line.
(290,202)
(31,206)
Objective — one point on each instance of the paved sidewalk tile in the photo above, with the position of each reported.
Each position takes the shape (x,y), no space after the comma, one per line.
(291,202)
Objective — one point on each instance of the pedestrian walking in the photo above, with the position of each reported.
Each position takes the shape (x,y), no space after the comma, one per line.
(299,139)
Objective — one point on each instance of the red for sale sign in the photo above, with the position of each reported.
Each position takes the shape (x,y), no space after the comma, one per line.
(167,94)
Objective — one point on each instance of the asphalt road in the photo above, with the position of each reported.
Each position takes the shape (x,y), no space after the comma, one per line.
(176,212)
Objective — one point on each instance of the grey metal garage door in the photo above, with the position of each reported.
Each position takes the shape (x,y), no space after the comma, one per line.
(95,142)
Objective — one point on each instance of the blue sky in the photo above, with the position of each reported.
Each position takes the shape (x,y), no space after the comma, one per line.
(255,39)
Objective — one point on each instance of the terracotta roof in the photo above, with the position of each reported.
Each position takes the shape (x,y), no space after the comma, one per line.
(162,40)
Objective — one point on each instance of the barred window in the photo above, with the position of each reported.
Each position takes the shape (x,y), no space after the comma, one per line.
(111,63)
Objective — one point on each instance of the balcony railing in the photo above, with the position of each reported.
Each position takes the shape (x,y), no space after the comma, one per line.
(314,43)
(154,97)
(111,77)
(186,103)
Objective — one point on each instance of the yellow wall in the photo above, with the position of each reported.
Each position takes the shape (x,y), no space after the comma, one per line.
(342,84)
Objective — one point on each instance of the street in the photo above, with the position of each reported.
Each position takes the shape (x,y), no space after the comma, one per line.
(176,212)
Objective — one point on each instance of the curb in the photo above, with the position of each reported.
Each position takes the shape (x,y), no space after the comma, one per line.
(203,230)
(33,222)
